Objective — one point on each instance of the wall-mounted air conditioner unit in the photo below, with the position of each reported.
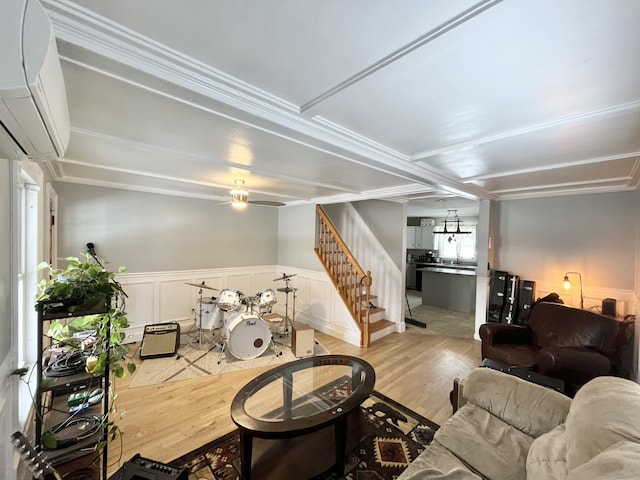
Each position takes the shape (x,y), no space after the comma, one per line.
(34,116)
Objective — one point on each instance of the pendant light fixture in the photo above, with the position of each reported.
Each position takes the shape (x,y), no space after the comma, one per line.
(452,226)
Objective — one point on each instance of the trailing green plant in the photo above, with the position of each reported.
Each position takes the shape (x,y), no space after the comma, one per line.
(83,284)
(80,287)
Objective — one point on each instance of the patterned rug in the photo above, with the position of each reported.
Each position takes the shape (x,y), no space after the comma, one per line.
(389,437)
(195,360)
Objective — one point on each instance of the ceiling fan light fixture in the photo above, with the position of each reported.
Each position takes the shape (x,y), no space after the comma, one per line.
(239,196)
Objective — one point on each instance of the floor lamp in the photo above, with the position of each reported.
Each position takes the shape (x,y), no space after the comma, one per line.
(567,285)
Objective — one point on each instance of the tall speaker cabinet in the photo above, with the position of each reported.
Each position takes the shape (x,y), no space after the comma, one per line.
(64,406)
(497,296)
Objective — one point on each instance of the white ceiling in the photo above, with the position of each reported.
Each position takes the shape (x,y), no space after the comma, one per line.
(326,101)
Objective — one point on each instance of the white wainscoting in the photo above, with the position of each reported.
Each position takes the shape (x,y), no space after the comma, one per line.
(593,296)
(160,297)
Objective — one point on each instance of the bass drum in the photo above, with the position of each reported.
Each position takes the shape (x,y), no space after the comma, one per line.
(247,336)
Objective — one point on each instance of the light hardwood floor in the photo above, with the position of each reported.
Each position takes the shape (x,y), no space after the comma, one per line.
(165,421)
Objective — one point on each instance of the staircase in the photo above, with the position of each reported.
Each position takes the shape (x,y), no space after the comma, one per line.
(352,283)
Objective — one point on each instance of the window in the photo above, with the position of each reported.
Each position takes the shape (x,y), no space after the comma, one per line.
(29,234)
(460,247)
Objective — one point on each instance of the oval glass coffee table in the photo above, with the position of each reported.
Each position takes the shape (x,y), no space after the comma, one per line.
(300,397)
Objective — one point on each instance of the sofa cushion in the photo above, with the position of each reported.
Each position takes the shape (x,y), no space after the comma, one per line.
(604,412)
(568,364)
(547,457)
(438,464)
(621,461)
(488,445)
(528,407)
(556,325)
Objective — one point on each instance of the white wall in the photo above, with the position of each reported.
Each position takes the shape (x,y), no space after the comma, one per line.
(387,221)
(148,232)
(297,237)
(541,239)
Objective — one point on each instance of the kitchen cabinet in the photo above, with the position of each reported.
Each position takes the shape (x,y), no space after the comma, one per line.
(426,237)
(420,237)
(414,237)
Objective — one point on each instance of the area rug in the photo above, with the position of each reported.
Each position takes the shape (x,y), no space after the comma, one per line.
(389,438)
(196,358)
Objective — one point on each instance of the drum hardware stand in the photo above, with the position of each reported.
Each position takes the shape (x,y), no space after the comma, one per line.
(274,347)
(286,320)
(200,287)
(223,349)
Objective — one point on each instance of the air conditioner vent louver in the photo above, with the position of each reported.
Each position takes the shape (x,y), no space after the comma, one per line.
(34,116)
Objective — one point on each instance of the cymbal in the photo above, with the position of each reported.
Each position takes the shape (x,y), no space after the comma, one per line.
(287,289)
(201,285)
(284,277)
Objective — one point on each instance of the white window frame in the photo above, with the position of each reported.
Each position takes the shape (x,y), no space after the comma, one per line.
(29,237)
(442,241)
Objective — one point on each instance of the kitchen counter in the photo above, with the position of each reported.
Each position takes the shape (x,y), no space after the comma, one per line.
(452,287)
(454,269)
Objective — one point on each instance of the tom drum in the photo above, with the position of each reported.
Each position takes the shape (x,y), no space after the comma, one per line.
(267,298)
(247,336)
(208,315)
(229,300)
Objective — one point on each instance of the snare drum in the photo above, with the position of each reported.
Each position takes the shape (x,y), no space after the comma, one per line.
(229,300)
(247,336)
(267,298)
(212,316)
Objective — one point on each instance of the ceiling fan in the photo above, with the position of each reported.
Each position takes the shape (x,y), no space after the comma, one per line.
(240,197)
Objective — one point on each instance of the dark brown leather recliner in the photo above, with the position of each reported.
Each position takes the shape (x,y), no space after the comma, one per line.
(567,343)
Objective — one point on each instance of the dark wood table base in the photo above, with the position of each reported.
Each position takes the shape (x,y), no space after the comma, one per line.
(302,456)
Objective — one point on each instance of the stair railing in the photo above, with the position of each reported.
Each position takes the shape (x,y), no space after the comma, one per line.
(352,283)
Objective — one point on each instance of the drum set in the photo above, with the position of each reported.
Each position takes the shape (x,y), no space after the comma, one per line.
(239,320)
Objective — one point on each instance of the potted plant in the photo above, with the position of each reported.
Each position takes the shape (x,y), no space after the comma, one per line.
(88,292)
(85,297)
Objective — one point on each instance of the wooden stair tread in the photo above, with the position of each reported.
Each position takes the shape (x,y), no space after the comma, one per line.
(379,325)
(372,310)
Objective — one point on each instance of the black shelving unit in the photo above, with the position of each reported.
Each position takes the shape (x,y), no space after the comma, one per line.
(52,392)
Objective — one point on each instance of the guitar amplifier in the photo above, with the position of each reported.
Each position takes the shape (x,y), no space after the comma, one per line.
(160,340)
(140,468)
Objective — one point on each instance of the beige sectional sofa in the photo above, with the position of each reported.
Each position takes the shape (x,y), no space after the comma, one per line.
(512,429)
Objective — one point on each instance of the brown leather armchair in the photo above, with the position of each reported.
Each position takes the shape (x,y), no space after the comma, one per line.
(571,344)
